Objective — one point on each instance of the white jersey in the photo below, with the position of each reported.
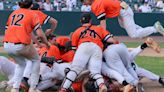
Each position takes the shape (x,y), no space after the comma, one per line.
(6,67)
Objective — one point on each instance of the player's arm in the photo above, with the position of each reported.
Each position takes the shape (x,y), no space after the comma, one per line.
(74,41)
(41,34)
(101,15)
(35,39)
(53,23)
(108,37)
(38,29)
(103,23)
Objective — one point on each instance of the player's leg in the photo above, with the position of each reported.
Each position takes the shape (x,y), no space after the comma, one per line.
(19,69)
(7,68)
(145,73)
(125,57)
(27,71)
(94,66)
(113,60)
(126,20)
(45,84)
(80,60)
(107,71)
(31,54)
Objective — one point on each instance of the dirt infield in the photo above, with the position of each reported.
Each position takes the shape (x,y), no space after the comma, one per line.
(152,86)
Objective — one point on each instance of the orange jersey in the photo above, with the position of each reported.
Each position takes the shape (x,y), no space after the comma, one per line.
(106,8)
(90,33)
(43,18)
(20,24)
(42,51)
(68,56)
(53,51)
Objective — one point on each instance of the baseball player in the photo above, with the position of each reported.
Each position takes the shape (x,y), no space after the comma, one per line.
(88,41)
(117,55)
(114,8)
(111,73)
(141,72)
(44,18)
(17,42)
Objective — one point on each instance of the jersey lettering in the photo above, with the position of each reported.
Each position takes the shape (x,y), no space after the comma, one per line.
(16,19)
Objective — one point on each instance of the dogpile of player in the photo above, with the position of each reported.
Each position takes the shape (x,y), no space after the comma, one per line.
(90,59)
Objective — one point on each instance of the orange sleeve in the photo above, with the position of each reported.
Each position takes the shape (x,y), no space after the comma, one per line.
(75,39)
(54,52)
(35,22)
(68,56)
(99,12)
(44,18)
(106,35)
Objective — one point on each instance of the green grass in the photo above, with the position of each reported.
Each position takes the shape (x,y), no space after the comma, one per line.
(136,44)
(154,64)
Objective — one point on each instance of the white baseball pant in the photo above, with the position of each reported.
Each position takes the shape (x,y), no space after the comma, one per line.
(126,21)
(141,71)
(88,54)
(20,53)
(7,68)
(57,72)
(111,73)
(27,70)
(118,59)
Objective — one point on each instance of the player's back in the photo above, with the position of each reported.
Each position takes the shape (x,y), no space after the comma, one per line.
(20,24)
(89,33)
(107,8)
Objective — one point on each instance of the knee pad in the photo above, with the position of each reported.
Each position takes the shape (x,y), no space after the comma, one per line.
(70,77)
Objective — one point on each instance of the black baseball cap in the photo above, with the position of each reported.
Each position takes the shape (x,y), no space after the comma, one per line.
(85,18)
(35,6)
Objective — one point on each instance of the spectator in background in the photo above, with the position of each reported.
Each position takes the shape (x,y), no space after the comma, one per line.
(16,6)
(56,5)
(40,4)
(47,5)
(145,8)
(85,8)
(1,5)
(135,7)
(160,5)
(69,5)
(74,3)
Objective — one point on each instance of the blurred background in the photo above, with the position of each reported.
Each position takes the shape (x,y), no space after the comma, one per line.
(75,5)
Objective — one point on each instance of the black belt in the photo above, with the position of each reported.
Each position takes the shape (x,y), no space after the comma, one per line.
(17,43)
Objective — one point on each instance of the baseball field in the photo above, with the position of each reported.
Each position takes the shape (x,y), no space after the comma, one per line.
(148,59)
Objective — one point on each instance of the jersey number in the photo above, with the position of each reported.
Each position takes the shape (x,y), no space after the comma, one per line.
(84,33)
(16,19)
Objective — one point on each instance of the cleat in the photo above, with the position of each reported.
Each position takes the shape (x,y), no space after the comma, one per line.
(102,88)
(153,44)
(124,5)
(159,27)
(161,81)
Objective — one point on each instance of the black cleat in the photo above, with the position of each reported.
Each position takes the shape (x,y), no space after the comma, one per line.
(161,81)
